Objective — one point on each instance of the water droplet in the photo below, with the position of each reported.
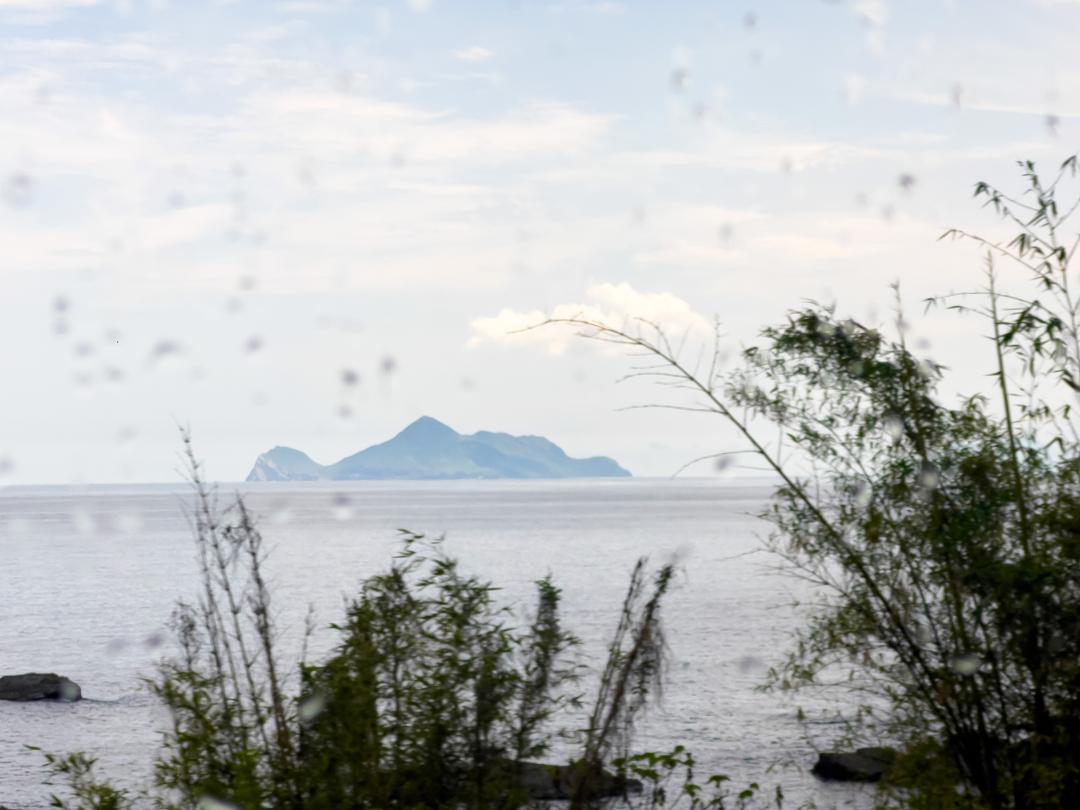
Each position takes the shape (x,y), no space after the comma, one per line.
(906,181)
(967,664)
(929,476)
(342,508)
(388,365)
(154,640)
(894,425)
(1053,122)
(116,646)
(749,663)
(114,374)
(83,522)
(253,344)
(864,494)
(957,95)
(129,523)
(18,190)
(60,304)
(164,348)
(214,803)
(349,377)
(311,707)
(922,635)
(750,21)
(678,79)
(83,348)
(69,692)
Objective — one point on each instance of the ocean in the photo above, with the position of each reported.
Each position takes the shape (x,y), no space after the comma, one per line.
(91,575)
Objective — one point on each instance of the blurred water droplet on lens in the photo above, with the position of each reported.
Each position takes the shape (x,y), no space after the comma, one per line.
(69,692)
(748,663)
(894,426)
(154,640)
(246,282)
(129,523)
(116,646)
(906,181)
(311,707)
(280,517)
(253,344)
(342,508)
(922,634)
(678,79)
(125,434)
(750,21)
(176,200)
(388,365)
(929,476)
(786,165)
(1052,124)
(83,348)
(214,803)
(967,664)
(18,190)
(7,466)
(349,377)
(864,494)
(60,304)
(467,384)
(957,95)
(114,374)
(722,463)
(725,232)
(887,212)
(16,528)
(164,349)
(344,412)
(83,379)
(83,522)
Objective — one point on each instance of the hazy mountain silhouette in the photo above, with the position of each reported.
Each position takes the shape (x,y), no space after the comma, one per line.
(428,449)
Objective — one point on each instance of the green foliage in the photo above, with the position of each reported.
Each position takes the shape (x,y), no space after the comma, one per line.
(942,539)
(669,782)
(433,698)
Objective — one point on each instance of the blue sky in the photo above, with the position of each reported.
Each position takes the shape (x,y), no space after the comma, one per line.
(212,210)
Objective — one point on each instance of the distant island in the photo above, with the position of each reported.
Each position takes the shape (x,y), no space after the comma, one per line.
(428,449)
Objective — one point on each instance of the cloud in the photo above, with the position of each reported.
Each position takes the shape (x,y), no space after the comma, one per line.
(474,54)
(616,305)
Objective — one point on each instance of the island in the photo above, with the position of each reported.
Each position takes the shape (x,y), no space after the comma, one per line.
(429,450)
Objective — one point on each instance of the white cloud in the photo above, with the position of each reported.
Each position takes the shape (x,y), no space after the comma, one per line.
(616,305)
(474,54)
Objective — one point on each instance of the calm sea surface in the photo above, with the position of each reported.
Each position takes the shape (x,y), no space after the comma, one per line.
(90,576)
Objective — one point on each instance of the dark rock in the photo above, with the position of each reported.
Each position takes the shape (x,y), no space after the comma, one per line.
(862,765)
(557,782)
(39,686)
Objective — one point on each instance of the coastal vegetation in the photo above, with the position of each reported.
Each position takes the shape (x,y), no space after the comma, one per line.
(943,540)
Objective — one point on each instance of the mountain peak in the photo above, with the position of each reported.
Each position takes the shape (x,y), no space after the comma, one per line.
(428,427)
(430,449)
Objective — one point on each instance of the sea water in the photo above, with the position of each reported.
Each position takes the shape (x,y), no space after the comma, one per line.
(91,576)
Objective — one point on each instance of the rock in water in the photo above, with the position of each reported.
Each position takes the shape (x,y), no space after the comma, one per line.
(864,765)
(39,686)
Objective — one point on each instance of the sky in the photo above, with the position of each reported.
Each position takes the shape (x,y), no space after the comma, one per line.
(309,222)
